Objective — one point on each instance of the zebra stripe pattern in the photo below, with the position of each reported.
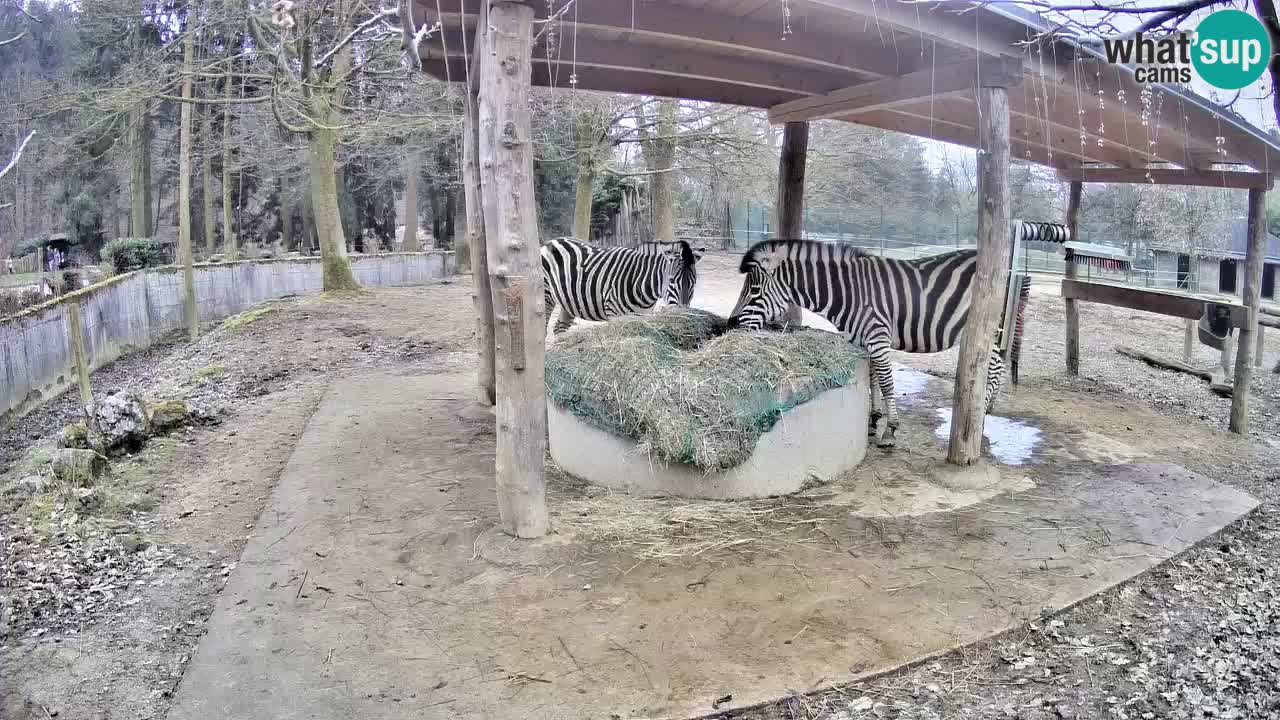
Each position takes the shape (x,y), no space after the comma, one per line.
(883,304)
(595,283)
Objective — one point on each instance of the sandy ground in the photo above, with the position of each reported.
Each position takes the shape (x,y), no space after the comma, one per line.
(1195,638)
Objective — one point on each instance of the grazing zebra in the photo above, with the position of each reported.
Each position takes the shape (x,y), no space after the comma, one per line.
(595,283)
(917,306)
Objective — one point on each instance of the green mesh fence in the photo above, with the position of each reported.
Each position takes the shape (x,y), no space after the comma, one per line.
(688,391)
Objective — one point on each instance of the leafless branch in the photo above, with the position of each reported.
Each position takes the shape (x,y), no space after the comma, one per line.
(17,154)
(13,39)
(381,16)
(23,10)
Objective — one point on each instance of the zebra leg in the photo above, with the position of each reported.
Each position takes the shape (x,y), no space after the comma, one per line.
(995,379)
(564,321)
(882,376)
(873,418)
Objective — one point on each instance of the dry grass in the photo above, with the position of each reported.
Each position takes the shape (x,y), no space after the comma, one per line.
(670,528)
(688,391)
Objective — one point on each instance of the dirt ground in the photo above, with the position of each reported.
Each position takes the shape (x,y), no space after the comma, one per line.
(1196,638)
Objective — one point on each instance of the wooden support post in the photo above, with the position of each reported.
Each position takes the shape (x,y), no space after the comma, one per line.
(515,268)
(1260,350)
(987,293)
(1073,309)
(480,293)
(75,336)
(789,209)
(1252,298)
(1188,340)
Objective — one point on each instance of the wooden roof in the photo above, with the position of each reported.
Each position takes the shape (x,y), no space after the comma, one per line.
(901,66)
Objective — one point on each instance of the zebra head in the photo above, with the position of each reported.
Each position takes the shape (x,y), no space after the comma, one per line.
(763,298)
(682,271)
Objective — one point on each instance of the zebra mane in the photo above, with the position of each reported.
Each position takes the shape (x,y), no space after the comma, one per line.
(752,254)
(687,257)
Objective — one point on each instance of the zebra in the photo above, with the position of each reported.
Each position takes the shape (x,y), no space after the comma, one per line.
(595,283)
(917,306)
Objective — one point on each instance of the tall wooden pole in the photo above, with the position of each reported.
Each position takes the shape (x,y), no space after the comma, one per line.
(1188,340)
(476,251)
(990,277)
(515,269)
(789,210)
(1251,296)
(1073,310)
(184,193)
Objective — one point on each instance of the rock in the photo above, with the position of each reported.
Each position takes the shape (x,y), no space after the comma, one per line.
(168,415)
(133,543)
(87,500)
(75,435)
(206,414)
(29,485)
(118,421)
(78,467)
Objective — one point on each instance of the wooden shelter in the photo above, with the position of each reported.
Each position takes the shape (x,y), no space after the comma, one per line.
(983,76)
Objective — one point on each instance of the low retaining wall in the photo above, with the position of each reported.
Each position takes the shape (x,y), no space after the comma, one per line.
(133,310)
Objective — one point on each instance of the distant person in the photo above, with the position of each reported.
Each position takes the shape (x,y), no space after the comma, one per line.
(8,264)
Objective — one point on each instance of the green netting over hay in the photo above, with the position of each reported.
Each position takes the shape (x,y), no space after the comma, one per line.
(687,391)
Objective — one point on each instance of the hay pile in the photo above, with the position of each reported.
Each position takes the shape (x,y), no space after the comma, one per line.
(686,390)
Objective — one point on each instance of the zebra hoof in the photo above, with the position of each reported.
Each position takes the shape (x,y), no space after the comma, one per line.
(887,443)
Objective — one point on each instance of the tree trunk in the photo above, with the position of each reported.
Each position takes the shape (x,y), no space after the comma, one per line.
(323,144)
(790,201)
(206,184)
(663,148)
(184,191)
(286,218)
(140,170)
(990,277)
(582,198)
(411,170)
(433,197)
(1251,296)
(228,232)
(450,211)
(506,161)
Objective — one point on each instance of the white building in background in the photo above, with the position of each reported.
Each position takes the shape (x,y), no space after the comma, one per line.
(1217,270)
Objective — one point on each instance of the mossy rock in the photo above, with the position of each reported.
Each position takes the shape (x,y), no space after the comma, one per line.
(245,318)
(80,468)
(74,435)
(210,371)
(168,415)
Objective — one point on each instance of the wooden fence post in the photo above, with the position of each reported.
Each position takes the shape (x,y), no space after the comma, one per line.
(1260,350)
(1251,296)
(988,290)
(481,293)
(1073,309)
(515,268)
(790,204)
(75,335)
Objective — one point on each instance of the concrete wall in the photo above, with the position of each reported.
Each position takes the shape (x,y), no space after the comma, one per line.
(133,310)
(1207,273)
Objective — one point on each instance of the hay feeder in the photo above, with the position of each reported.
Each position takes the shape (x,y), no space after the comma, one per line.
(670,404)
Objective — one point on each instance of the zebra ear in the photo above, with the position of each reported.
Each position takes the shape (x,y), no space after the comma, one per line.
(698,252)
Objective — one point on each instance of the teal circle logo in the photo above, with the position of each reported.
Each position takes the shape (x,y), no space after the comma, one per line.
(1231,49)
